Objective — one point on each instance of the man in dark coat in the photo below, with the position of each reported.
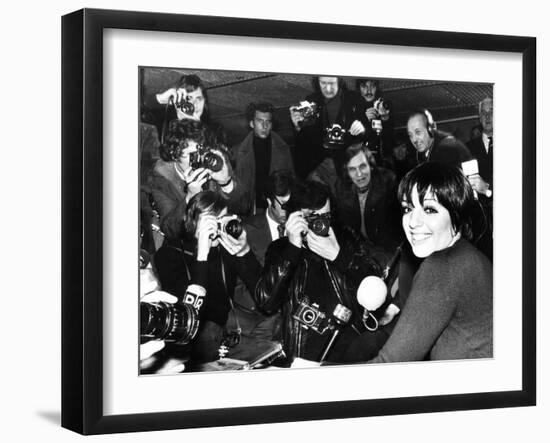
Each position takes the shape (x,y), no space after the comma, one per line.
(312,275)
(434,145)
(258,155)
(367,199)
(340,121)
(482,149)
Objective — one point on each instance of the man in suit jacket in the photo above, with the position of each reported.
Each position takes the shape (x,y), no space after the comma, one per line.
(482,149)
(261,230)
(433,145)
(258,155)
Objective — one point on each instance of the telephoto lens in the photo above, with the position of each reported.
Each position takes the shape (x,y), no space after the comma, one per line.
(174,323)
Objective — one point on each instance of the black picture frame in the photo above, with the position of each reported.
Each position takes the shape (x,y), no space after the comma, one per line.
(82,219)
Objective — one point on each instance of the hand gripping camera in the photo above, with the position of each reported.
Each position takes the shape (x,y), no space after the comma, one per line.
(334,137)
(309,112)
(205,158)
(175,323)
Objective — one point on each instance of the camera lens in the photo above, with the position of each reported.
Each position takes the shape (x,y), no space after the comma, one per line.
(177,323)
(213,161)
(234,228)
(320,226)
(187,107)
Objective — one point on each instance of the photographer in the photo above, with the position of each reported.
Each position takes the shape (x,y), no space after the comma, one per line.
(380,120)
(188,100)
(182,172)
(311,275)
(338,119)
(210,255)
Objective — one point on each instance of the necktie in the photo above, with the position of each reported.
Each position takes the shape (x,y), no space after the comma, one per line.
(281,230)
(490,159)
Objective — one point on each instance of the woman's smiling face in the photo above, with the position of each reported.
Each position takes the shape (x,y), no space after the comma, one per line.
(427,224)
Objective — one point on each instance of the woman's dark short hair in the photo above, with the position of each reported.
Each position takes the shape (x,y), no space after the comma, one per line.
(205,201)
(179,133)
(309,194)
(451,188)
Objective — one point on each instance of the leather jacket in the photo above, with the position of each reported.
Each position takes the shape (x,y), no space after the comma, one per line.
(285,274)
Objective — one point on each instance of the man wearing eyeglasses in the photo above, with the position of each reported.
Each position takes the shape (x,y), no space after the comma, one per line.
(262,230)
(311,275)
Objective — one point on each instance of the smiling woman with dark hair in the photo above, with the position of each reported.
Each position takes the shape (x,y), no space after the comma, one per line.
(448,308)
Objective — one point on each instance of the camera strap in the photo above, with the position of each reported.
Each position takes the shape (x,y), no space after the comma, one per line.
(239,329)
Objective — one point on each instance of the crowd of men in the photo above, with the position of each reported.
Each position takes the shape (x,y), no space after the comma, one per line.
(269,243)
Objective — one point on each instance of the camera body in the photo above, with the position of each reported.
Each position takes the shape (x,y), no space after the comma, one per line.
(334,136)
(174,323)
(308,110)
(383,107)
(231,225)
(205,158)
(310,317)
(319,224)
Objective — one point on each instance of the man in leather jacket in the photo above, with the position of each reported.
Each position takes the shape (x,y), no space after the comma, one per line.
(309,273)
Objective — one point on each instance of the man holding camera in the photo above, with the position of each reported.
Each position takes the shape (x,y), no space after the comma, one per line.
(313,275)
(201,268)
(380,120)
(330,119)
(258,155)
(185,168)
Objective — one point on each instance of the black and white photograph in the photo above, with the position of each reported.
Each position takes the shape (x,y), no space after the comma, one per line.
(311,220)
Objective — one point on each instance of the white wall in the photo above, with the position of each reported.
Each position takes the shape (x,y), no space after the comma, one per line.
(30,76)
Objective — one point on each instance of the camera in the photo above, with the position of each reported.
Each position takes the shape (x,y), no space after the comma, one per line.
(205,158)
(319,224)
(186,106)
(174,323)
(308,110)
(383,107)
(334,136)
(310,316)
(231,225)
